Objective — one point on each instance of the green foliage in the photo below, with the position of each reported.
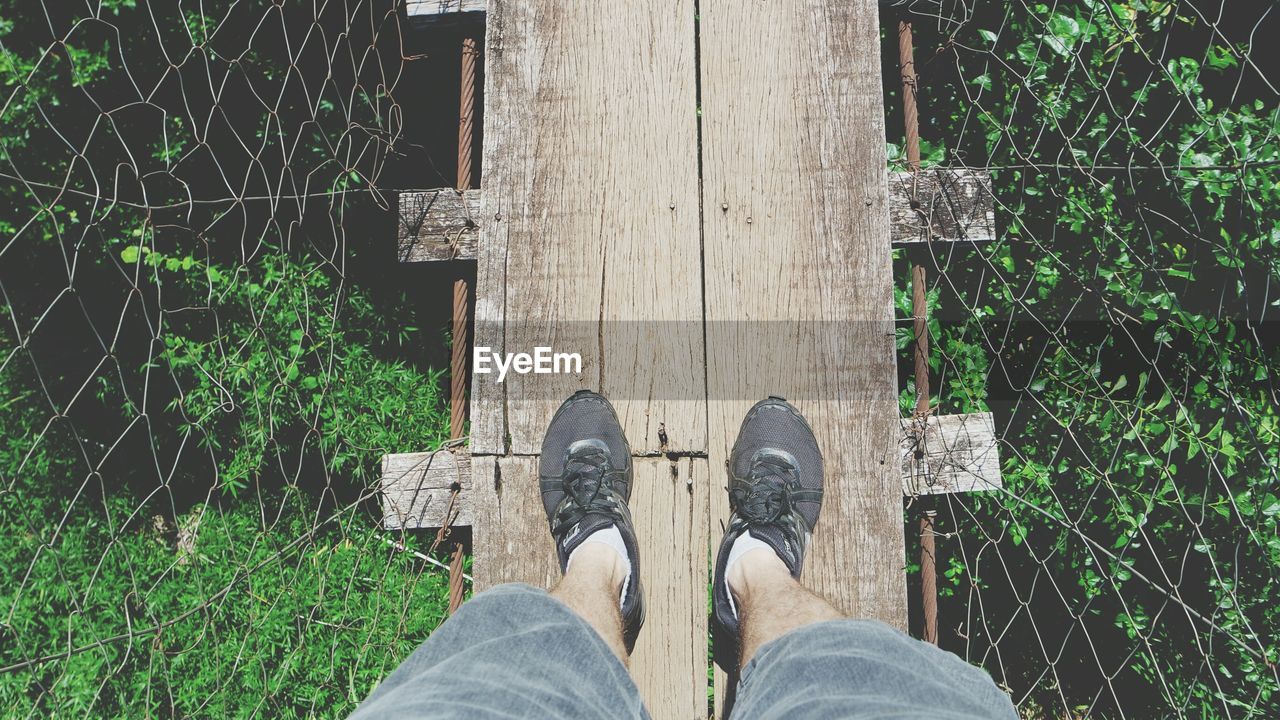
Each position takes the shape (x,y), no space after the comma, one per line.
(273,607)
(1114,331)
(194,397)
(291,367)
(264,616)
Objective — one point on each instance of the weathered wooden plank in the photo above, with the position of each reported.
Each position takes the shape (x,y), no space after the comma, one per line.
(954,453)
(417,488)
(669,506)
(420,8)
(798,277)
(437,225)
(957,204)
(957,453)
(512,543)
(589,218)
(941,204)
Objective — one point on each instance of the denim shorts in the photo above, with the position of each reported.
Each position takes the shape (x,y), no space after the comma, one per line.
(516,652)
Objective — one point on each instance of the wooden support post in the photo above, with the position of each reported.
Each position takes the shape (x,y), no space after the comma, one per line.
(945,454)
(427,11)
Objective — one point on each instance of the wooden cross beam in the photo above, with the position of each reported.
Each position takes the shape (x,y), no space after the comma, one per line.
(951,453)
(949,206)
(428,11)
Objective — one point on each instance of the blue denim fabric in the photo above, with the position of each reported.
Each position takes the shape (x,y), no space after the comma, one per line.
(863,669)
(515,651)
(510,652)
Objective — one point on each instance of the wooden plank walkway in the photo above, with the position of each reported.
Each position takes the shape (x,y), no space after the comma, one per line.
(799,297)
(589,243)
(592,240)
(799,283)
(589,218)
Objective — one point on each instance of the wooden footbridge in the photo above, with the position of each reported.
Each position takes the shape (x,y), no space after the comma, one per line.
(698,206)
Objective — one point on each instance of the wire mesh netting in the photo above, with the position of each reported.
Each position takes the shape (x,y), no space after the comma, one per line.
(208,343)
(1120,331)
(205,352)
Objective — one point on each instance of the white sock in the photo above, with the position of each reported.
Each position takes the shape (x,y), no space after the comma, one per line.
(612,538)
(745,543)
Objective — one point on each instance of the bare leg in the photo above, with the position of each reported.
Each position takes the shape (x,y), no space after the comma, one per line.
(591,588)
(770,602)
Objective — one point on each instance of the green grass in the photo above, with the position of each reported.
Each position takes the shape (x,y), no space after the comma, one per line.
(254,578)
(283,617)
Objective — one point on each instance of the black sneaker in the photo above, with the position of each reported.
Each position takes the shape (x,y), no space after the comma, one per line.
(775,491)
(585,477)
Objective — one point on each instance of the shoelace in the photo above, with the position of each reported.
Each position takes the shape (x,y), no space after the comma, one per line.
(766,496)
(587,489)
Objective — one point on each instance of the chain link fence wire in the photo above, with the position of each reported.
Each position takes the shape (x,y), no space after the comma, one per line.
(207,343)
(1121,331)
(202,357)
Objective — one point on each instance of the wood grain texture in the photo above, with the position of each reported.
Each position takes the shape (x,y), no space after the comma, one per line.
(417,8)
(510,535)
(417,487)
(799,297)
(589,218)
(437,225)
(950,453)
(953,205)
(941,204)
(669,506)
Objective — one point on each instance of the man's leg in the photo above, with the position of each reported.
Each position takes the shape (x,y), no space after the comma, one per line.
(801,658)
(771,603)
(798,657)
(590,588)
(513,651)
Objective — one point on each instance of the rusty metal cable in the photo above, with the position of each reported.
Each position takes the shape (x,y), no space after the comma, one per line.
(928,516)
(906,61)
(456,586)
(457,579)
(929,577)
(461,287)
(446,527)
(458,358)
(920,319)
(466,112)
(461,309)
